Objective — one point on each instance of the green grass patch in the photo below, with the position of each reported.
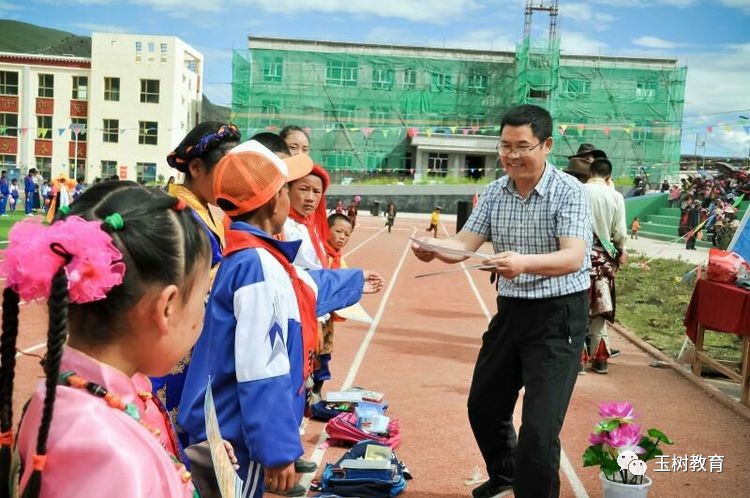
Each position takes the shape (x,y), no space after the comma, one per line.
(652,304)
(6,222)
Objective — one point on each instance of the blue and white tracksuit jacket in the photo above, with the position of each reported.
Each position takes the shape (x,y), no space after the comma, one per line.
(251,347)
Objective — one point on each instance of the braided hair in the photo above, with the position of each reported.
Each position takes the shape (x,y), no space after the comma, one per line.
(208,141)
(160,244)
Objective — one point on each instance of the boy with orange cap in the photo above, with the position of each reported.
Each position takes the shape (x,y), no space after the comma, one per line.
(260,325)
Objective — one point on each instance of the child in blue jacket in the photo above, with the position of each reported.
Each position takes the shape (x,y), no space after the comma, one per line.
(260,330)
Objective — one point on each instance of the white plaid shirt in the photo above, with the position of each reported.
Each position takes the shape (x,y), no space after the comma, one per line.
(556,208)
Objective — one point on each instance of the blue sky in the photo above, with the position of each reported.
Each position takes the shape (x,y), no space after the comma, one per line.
(711,36)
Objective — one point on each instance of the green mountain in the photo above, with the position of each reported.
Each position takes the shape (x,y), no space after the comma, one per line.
(21,37)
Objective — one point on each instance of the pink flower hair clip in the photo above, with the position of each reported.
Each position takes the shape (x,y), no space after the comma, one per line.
(35,252)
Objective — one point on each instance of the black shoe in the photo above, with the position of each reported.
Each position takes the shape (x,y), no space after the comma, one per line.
(599,367)
(303,466)
(614,353)
(490,489)
(296,490)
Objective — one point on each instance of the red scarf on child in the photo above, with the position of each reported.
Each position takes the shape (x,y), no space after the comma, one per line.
(334,255)
(313,229)
(237,240)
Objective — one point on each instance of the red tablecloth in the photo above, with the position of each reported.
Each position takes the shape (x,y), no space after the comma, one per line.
(719,307)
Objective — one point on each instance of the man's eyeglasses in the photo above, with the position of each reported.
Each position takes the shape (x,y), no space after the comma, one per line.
(520,151)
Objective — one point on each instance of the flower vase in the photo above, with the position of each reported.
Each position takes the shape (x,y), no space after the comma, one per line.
(616,489)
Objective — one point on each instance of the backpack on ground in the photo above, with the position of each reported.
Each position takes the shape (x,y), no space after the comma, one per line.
(353,475)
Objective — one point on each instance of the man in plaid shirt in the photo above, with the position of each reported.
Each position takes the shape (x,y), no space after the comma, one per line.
(538,221)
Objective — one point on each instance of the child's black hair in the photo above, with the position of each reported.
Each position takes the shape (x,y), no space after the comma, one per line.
(287,130)
(338,217)
(272,142)
(209,141)
(159,245)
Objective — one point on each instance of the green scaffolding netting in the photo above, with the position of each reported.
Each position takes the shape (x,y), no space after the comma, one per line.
(362,109)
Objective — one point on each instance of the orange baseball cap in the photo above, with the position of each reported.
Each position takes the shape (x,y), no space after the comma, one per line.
(247,179)
(296,166)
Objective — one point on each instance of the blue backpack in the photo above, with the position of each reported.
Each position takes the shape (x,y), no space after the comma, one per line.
(364,483)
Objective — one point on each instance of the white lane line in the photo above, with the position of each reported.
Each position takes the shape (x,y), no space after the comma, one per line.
(348,253)
(36,347)
(317,455)
(578,489)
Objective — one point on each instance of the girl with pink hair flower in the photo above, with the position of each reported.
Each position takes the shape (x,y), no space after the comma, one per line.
(124,271)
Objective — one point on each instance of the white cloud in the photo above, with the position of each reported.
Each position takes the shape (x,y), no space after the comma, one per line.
(575,43)
(649,3)
(101,28)
(743,5)
(716,83)
(183,8)
(434,11)
(586,13)
(654,42)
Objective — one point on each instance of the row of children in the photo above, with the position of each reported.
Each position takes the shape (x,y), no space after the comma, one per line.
(126,271)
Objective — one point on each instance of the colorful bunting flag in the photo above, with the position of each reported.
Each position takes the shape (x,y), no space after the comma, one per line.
(606,131)
(465,131)
(562,128)
(580,128)
(453,129)
(60,131)
(307,130)
(428,132)
(412,132)
(366,132)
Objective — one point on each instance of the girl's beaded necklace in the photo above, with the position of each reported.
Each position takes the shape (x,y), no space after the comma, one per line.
(74,380)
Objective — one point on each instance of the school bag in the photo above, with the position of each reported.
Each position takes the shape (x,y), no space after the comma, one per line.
(344,479)
(342,429)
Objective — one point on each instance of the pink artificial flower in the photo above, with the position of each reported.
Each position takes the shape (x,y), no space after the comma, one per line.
(621,411)
(30,263)
(626,438)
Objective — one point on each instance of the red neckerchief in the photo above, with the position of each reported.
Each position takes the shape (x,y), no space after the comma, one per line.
(334,254)
(317,244)
(237,240)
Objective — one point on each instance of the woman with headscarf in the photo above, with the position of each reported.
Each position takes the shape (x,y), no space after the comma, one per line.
(195,157)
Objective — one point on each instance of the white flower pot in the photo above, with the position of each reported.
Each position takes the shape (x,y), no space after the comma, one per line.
(616,489)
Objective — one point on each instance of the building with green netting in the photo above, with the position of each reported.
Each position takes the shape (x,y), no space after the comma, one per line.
(419,112)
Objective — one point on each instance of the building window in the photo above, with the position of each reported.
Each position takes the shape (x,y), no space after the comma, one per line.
(145,173)
(80,88)
(138,51)
(273,70)
(190,64)
(437,164)
(148,132)
(46,85)
(9,125)
(151,47)
(376,162)
(109,169)
(645,90)
(440,81)
(78,124)
(577,87)
(382,77)
(379,116)
(150,91)
(535,93)
(342,73)
(44,166)
(410,78)
(44,127)
(163,51)
(111,131)
(475,120)
(477,83)
(269,110)
(7,161)
(112,89)
(8,83)
(338,160)
(341,117)
(77,168)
